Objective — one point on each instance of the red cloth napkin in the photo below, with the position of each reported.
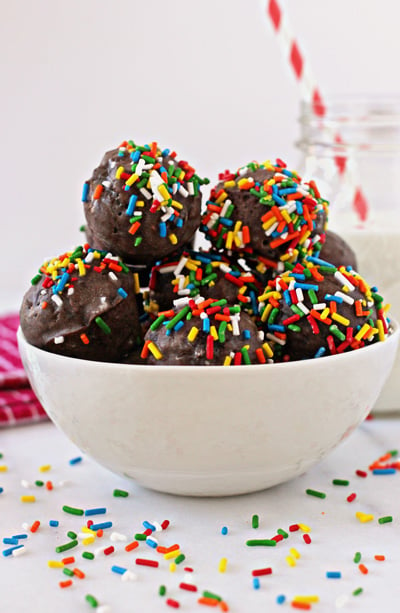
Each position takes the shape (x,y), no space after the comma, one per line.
(18,403)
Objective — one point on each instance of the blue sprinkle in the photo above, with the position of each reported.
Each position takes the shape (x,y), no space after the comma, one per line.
(306,286)
(62,282)
(280,599)
(286,172)
(333,574)
(131,205)
(256,583)
(162,229)
(278,199)
(332,298)
(320,352)
(85,191)
(101,526)
(135,155)
(75,460)
(246,334)
(206,324)
(286,295)
(254,302)
(121,154)
(179,325)
(288,190)
(178,222)
(10,541)
(152,543)
(224,530)
(19,536)
(276,328)
(383,471)
(148,526)
(165,152)
(299,207)
(96,511)
(8,552)
(120,570)
(122,292)
(298,276)
(315,260)
(1,490)
(53,523)
(226,221)
(127,188)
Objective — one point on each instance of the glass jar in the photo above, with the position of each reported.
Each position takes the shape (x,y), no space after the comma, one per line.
(351,149)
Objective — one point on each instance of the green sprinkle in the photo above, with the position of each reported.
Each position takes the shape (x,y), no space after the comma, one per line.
(340,482)
(221,331)
(393,452)
(357,557)
(180,558)
(67,546)
(162,590)
(39,483)
(313,296)
(138,240)
(358,591)
(72,535)
(245,353)
(336,332)
(316,493)
(82,228)
(72,510)
(157,323)
(294,328)
(282,533)
(102,325)
(207,594)
(139,536)
(385,520)
(91,600)
(172,323)
(120,493)
(68,572)
(1,455)
(88,555)
(36,279)
(261,543)
(255,521)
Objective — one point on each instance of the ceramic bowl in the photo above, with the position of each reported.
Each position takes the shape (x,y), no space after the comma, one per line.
(209,430)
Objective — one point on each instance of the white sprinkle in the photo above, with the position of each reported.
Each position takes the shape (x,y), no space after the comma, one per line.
(320,306)
(157,526)
(344,297)
(57,300)
(183,191)
(99,550)
(190,188)
(299,294)
(341,601)
(106,184)
(145,192)
(112,276)
(180,302)
(117,536)
(18,552)
(43,292)
(104,608)
(225,207)
(140,166)
(174,189)
(199,299)
(272,337)
(89,258)
(303,308)
(342,279)
(271,229)
(166,269)
(128,576)
(213,218)
(180,266)
(58,340)
(25,483)
(235,324)
(25,526)
(261,335)
(166,216)
(225,268)
(203,315)
(183,292)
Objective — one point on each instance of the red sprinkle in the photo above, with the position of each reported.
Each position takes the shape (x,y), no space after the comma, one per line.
(307,538)
(277,538)
(188,586)
(363,569)
(35,526)
(165,524)
(187,569)
(361,473)
(69,560)
(172,603)
(351,497)
(89,523)
(294,528)
(109,550)
(259,572)
(49,485)
(143,562)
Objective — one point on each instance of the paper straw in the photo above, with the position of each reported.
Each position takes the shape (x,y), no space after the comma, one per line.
(309,89)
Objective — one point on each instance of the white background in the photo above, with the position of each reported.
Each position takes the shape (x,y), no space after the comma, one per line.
(206,78)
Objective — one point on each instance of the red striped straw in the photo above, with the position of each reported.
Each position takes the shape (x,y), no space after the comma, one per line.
(309,89)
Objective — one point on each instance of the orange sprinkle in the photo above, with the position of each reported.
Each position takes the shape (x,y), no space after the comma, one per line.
(209,602)
(35,526)
(78,573)
(65,583)
(305,606)
(134,227)
(49,485)
(44,304)
(69,560)
(246,234)
(379,558)
(97,192)
(84,339)
(223,606)
(363,569)
(131,546)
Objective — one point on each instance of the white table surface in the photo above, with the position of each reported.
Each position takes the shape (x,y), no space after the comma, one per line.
(28,584)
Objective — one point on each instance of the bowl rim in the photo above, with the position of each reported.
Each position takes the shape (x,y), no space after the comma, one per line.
(391,338)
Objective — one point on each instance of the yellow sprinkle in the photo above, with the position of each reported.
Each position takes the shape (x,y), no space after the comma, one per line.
(237,227)
(270,222)
(229,327)
(304,527)
(172,567)
(222,197)
(89,540)
(229,184)
(266,312)
(132,179)
(268,350)
(28,499)
(173,238)
(228,360)
(325,313)
(222,565)
(119,172)
(155,350)
(270,294)
(139,203)
(55,564)
(271,182)
(293,552)
(242,290)
(3,468)
(261,267)
(136,282)
(214,333)
(342,320)
(243,181)
(286,216)
(304,237)
(290,561)
(361,333)
(44,468)
(381,330)
(312,598)
(87,530)
(164,192)
(192,334)
(177,204)
(229,240)
(364,517)
(172,554)
(387,307)
(81,268)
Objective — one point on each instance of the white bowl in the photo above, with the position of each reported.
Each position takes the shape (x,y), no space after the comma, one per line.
(209,430)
